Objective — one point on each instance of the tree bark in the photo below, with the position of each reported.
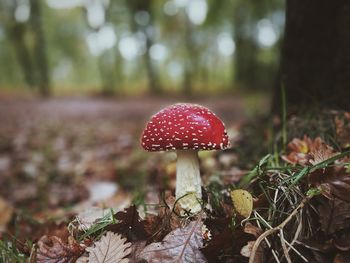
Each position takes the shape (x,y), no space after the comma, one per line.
(16,32)
(315,63)
(152,74)
(244,62)
(190,61)
(40,50)
(135,6)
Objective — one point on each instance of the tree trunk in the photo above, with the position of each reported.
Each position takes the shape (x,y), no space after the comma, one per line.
(16,33)
(244,61)
(190,61)
(40,48)
(135,6)
(152,74)
(107,73)
(315,65)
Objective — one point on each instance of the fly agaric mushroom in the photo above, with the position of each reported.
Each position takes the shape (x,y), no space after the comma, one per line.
(187,129)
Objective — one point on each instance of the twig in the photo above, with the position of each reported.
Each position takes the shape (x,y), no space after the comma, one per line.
(295,250)
(285,250)
(277,228)
(266,240)
(290,245)
(297,232)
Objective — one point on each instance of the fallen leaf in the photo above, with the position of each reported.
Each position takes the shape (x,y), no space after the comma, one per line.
(111,248)
(180,245)
(334,215)
(158,226)
(25,229)
(52,249)
(334,182)
(136,249)
(242,202)
(298,151)
(320,151)
(129,224)
(307,151)
(226,244)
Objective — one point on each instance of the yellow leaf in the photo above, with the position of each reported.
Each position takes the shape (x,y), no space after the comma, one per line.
(242,202)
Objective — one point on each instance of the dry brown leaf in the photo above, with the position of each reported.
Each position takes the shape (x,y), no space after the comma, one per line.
(332,181)
(320,151)
(225,242)
(298,151)
(129,224)
(52,249)
(111,248)
(158,226)
(181,245)
(246,250)
(334,215)
(307,151)
(136,249)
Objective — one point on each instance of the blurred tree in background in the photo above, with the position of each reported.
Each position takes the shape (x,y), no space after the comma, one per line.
(141,21)
(136,46)
(26,36)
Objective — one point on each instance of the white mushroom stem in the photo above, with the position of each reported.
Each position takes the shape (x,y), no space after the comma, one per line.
(188,180)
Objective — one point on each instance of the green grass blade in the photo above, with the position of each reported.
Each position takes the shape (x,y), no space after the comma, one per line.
(253,173)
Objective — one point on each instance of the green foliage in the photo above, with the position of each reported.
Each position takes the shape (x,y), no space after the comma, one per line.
(255,172)
(97,229)
(192,50)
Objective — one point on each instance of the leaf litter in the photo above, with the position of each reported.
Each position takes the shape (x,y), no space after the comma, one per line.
(312,169)
(180,245)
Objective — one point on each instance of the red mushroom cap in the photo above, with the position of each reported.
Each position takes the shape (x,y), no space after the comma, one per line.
(184,126)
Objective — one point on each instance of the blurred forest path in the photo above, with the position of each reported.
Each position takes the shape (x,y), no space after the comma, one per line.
(230,109)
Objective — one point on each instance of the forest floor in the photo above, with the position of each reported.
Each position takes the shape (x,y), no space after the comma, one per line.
(51,148)
(70,166)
